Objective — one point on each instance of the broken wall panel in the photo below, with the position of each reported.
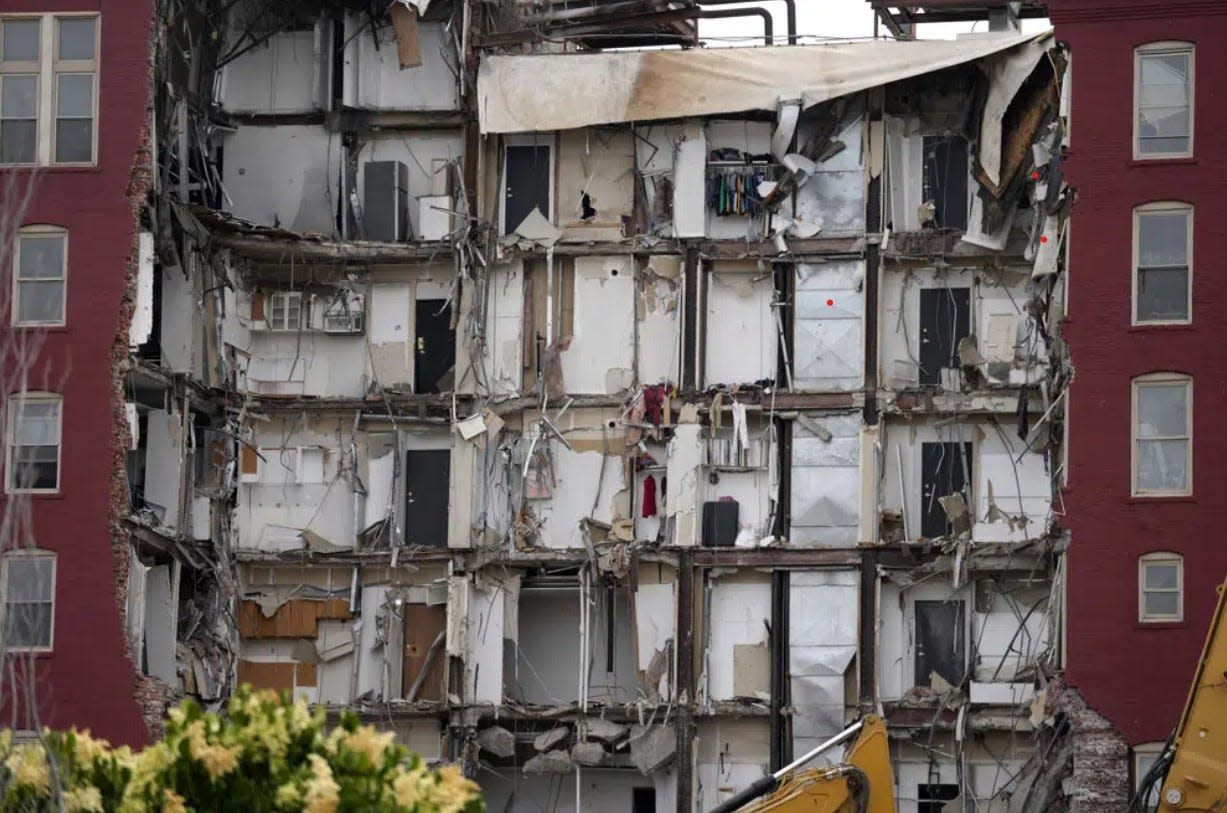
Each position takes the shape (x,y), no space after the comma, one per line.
(655,629)
(284,176)
(373,76)
(828,326)
(658,310)
(164,458)
(597,162)
(825,495)
(737,659)
(834,196)
(278,75)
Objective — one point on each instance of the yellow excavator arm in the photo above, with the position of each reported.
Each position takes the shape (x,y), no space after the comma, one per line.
(1197,777)
(862,783)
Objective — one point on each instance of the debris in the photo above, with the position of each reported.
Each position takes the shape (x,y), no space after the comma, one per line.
(551,762)
(598,728)
(405,24)
(551,738)
(498,741)
(587,753)
(652,747)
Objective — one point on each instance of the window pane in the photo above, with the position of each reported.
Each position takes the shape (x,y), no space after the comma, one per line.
(1163,294)
(1162,604)
(20,97)
(1163,238)
(75,96)
(74,141)
(17,142)
(40,302)
(39,423)
(32,469)
(1161,576)
(1163,465)
(1164,104)
(1162,410)
(77,37)
(30,578)
(27,625)
(1165,69)
(42,257)
(21,40)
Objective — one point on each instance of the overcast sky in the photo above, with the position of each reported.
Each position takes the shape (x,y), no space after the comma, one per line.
(821,19)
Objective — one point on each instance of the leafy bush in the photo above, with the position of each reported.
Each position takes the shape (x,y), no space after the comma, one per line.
(268,755)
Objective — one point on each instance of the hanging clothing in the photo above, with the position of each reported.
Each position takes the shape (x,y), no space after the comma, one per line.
(649,496)
(653,403)
(741,431)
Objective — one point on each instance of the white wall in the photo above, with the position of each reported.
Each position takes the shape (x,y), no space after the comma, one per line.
(578,482)
(659,312)
(730,755)
(285,175)
(822,644)
(503,356)
(835,196)
(374,79)
(742,336)
(740,605)
(163,463)
(601,358)
(829,339)
(826,482)
(281,75)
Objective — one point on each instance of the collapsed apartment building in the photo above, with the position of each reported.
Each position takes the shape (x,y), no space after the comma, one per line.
(620,423)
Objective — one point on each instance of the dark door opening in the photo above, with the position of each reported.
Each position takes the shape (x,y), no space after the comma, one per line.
(933,798)
(945,319)
(435,350)
(643,800)
(528,184)
(945,470)
(940,645)
(945,180)
(427,473)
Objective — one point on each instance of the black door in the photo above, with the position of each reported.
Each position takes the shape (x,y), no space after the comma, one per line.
(643,800)
(940,645)
(945,179)
(945,318)
(528,185)
(945,470)
(426,478)
(436,344)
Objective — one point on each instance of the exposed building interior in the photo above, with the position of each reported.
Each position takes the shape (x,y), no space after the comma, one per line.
(617,439)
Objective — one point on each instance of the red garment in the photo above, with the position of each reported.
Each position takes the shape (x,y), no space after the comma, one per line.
(654,403)
(649,496)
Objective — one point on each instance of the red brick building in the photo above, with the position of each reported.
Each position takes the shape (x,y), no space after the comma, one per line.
(74,79)
(1144,492)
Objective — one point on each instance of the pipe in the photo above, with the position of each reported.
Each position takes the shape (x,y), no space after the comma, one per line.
(790,14)
(426,664)
(768,24)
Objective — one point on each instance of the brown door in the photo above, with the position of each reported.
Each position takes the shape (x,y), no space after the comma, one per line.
(423,624)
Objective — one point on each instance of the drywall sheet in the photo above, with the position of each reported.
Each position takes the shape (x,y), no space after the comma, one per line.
(834,196)
(161,621)
(374,79)
(504,319)
(1009,628)
(740,326)
(163,464)
(1021,489)
(579,477)
(826,480)
(277,76)
(682,490)
(655,610)
(564,91)
(660,293)
(142,316)
(391,333)
(822,642)
(601,358)
(690,187)
(828,332)
(740,613)
(284,175)
(484,659)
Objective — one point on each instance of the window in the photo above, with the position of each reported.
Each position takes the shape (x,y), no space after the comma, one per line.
(34,443)
(1144,758)
(1162,435)
(29,601)
(285,311)
(1161,587)
(1162,252)
(38,296)
(48,89)
(1163,99)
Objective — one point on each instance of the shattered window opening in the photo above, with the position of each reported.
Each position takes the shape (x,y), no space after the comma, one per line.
(34,443)
(1163,417)
(1163,97)
(29,602)
(1163,246)
(39,281)
(1161,587)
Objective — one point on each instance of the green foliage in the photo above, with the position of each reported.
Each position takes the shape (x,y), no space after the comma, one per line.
(269,754)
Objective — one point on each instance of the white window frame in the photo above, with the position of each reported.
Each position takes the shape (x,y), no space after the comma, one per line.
(1160,558)
(285,297)
(1163,379)
(1163,207)
(39,232)
(14,403)
(1160,49)
(48,69)
(4,605)
(1151,751)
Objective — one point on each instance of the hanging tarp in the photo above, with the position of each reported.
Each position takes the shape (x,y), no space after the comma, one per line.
(564,91)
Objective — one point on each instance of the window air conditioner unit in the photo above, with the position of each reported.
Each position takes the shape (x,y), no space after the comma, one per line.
(343,322)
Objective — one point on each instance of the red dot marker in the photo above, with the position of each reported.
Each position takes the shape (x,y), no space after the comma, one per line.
(830,303)
(1043,238)
(1035,176)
